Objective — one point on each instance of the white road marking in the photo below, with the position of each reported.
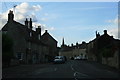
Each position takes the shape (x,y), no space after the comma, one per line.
(81,74)
(72,67)
(76,79)
(75,73)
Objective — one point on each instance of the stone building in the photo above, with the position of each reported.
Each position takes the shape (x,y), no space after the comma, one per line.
(73,50)
(28,46)
(104,49)
(47,39)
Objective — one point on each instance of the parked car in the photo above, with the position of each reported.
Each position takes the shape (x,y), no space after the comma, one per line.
(72,58)
(59,59)
(77,58)
(80,58)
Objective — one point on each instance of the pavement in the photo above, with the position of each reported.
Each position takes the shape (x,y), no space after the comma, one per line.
(71,70)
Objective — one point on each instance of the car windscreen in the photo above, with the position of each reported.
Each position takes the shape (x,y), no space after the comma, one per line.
(58,57)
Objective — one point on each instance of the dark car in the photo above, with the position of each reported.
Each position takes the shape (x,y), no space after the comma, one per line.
(65,58)
(72,58)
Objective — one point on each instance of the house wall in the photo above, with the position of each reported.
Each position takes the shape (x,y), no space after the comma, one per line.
(48,40)
(19,43)
(68,54)
(112,61)
(31,52)
(52,45)
(90,54)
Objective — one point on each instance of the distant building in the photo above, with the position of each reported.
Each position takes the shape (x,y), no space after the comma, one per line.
(104,49)
(73,50)
(28,46)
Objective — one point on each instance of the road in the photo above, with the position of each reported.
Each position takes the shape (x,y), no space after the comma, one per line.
(73,69)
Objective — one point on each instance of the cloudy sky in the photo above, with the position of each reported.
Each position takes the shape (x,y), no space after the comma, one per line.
(75,21)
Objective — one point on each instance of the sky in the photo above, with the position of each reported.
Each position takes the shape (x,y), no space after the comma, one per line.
(73,21)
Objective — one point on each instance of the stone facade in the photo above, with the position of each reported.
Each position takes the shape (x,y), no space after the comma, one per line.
(28,46)
(47,39)
(73,53)
(112,61)
(104,49)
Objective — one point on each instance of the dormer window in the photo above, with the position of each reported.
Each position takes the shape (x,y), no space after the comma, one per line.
(30,34)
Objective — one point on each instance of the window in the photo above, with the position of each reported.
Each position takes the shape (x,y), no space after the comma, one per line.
(30,34)
(19,56)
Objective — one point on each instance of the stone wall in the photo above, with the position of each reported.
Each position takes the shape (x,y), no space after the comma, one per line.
(112,61)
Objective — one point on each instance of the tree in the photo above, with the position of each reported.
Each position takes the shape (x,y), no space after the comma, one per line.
(7,49)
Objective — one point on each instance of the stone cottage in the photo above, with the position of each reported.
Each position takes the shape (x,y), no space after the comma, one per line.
(28,46)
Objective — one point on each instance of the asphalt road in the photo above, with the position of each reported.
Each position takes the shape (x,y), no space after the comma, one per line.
(73,69)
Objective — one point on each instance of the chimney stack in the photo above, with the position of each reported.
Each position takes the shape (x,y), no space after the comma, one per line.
(76,43)
(72,45)
(30,23)
(26,22)
(46,31)
(10,16)
(97,34)
(105,32)
(38,30)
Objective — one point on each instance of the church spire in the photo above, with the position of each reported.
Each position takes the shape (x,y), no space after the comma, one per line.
(63,41)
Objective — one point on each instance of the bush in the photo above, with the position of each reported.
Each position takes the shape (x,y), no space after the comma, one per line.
(7,49)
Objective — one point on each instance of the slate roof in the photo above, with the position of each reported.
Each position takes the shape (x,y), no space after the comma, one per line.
(47,34)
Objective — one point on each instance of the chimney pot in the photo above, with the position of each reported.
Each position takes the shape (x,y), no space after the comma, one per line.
(39,26)
(10,16)
(30,19)
(26,22)
(105,31)
(46,31)
(30,23)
